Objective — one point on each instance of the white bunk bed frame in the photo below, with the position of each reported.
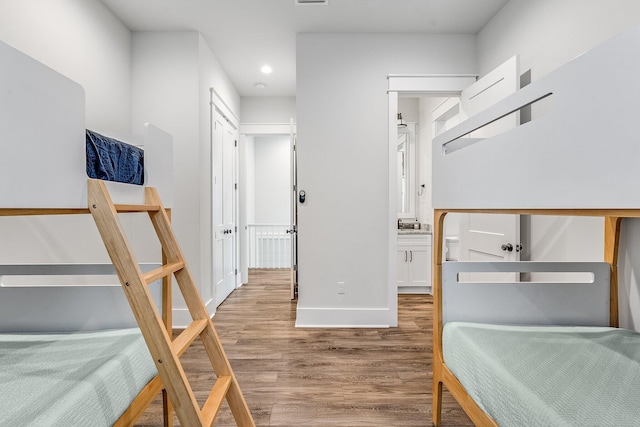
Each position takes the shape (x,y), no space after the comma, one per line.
(580,159)
(42,171)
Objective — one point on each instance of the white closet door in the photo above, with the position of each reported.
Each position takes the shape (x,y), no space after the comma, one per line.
(224,140)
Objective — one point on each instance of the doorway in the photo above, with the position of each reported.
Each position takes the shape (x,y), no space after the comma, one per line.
(268,208)
(462,96)
(405,86)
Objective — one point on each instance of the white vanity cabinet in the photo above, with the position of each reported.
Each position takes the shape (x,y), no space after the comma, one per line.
(414,263)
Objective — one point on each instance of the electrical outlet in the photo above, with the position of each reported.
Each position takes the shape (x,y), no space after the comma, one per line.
(341,287)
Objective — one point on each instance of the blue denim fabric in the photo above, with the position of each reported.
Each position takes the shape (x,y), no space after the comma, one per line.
(112,160)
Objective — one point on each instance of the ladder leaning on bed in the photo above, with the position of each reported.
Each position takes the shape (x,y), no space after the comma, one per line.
(163,349)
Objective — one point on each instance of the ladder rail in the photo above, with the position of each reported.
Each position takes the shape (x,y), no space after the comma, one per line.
(165,351)
(150,323)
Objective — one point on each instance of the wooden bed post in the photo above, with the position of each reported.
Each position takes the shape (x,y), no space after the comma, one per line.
(611,244)
(438,237)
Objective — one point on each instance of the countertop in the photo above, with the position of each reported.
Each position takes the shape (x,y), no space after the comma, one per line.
(414,231)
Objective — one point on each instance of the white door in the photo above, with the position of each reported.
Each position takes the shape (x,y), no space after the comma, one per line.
(485,237)
(293,229)
(224,145)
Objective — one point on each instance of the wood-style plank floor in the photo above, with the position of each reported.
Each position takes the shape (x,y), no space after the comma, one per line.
(319,377)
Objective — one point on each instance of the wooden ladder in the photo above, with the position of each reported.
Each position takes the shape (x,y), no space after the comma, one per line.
(163,349)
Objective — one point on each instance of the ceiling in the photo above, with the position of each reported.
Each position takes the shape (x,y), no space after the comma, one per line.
(247,34)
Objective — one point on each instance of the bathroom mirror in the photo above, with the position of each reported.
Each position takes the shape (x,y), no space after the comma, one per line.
(406,170)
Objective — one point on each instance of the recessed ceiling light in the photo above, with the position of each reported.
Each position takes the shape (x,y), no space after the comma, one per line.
(260,85)
(266,69)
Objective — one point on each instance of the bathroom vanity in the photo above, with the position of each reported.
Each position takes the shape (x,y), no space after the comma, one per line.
(414,261)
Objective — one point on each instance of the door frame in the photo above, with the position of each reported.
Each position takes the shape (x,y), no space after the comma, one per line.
(420,85)
(251,130)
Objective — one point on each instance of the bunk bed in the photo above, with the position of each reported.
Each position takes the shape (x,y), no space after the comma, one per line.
(535,353)
(78,370)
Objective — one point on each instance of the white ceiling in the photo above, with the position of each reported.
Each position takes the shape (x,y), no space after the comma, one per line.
(246,34)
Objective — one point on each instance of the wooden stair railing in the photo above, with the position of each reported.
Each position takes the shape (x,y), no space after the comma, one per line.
(165,351)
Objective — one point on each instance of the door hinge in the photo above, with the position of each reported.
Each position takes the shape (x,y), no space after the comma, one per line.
(235,186)
(235,143)
(295,267)
(236,228)
(236,271)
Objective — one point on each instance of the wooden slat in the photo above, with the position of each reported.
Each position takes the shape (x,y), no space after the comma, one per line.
(214,401)
(164,271)
(184,340)
(601,212)
(137,208)
(41,211)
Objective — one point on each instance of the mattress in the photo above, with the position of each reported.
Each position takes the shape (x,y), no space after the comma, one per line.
(85,379)
(548,376)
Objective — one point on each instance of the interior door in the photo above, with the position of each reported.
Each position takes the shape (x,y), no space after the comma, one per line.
(293,229)
(486,237)
(224,143)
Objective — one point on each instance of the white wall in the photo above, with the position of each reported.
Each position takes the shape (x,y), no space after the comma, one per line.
(100,61)
(259,109)
(84,41)
(165,93)
(172,75)
(272,185)
(547,34)
(343,150)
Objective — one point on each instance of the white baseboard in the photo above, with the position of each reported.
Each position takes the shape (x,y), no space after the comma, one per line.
(182,317)
(342,318)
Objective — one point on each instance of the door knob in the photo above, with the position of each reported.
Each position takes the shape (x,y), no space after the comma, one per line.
(508,247)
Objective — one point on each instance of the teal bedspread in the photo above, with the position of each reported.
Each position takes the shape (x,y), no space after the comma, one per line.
(548,376)
(85,379)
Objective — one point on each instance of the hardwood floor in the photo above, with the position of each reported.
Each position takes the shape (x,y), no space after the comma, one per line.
(319,377)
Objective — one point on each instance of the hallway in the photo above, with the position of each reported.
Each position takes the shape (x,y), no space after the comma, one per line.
(320,377)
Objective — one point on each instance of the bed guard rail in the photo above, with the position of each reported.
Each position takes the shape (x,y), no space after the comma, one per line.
(35,306)
(584,301)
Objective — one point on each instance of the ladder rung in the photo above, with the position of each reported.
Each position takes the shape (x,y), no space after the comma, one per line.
(137,208)
(163,271)
(184,340)
(214,401)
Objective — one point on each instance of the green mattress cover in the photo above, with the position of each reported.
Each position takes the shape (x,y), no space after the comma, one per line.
(85,379)
(548,376)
